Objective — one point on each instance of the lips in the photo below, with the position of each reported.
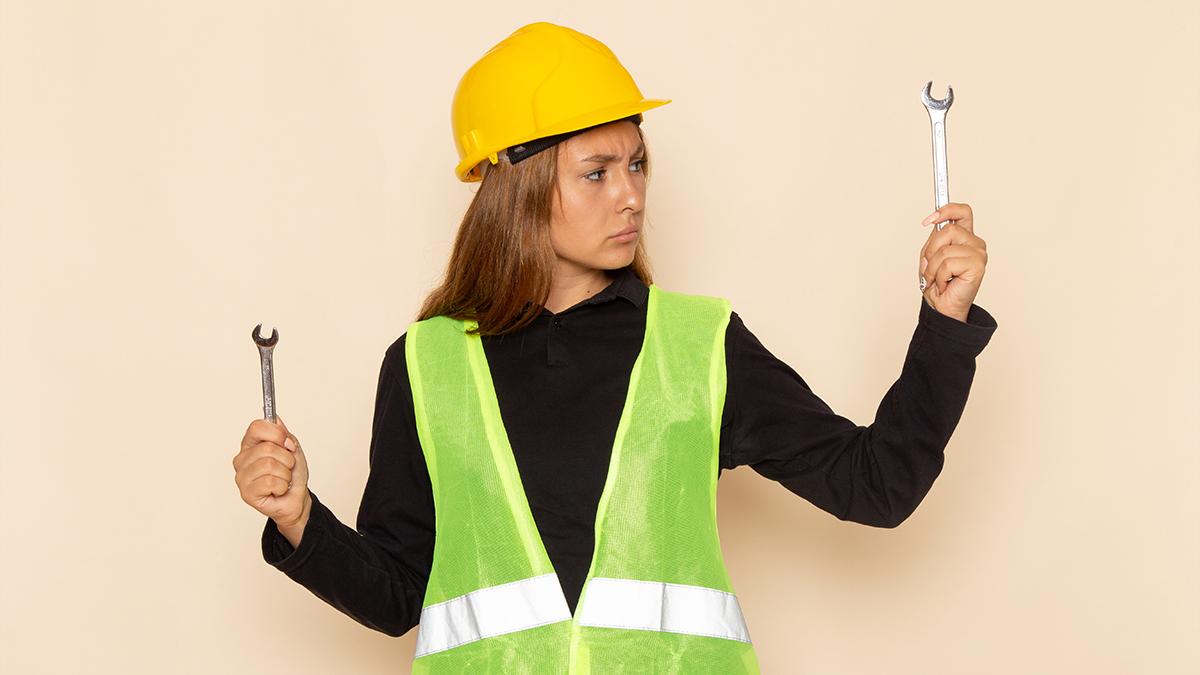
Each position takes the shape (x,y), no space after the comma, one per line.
(627,231)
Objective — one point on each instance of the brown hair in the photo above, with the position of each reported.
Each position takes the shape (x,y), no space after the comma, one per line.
(502,263)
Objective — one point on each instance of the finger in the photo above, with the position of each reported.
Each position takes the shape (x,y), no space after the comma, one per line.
(276,452)
(950,212)
(261,430)
(964,217)
(952,267)
(269,466)
(952,234)
(249,480)
(269,484)
(265,449)
(953,212)
(947,251)
(930,292)
(290,442)
(936,272)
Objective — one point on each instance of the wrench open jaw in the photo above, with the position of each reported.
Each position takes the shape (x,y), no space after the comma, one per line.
(937,103)
(262,341)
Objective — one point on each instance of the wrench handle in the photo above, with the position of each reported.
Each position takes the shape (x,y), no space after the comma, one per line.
(941,182)
(268,385)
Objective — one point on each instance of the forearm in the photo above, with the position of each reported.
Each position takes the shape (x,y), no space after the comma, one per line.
(874,475)
(901,454)
(354,574)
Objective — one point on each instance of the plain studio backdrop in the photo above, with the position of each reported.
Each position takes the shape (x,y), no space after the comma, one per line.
(172,174)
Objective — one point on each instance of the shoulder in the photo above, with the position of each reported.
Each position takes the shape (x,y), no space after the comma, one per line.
(395,356)
(681,299)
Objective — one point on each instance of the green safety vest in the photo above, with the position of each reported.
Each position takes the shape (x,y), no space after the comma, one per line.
(657,598)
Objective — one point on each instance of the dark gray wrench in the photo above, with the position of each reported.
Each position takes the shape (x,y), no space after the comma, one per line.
(265,347)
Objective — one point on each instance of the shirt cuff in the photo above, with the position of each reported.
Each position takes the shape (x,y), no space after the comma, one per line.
(280,553)
(975,332)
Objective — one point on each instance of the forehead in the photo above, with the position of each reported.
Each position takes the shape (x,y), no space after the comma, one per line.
(619,138)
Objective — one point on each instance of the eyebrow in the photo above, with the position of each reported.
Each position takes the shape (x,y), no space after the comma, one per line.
(608,158)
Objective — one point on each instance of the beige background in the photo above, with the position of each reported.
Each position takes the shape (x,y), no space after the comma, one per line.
(173,173)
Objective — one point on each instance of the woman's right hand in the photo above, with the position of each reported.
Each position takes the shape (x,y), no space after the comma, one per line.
(272,474)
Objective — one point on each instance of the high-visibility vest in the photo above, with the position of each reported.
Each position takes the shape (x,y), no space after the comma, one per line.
(657,597)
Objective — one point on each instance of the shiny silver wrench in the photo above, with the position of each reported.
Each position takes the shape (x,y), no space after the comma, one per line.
(265,347)
(937,119)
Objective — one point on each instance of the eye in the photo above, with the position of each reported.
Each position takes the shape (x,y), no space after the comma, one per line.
(639,164)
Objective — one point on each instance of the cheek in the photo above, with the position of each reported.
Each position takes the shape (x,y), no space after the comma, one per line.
(577,221)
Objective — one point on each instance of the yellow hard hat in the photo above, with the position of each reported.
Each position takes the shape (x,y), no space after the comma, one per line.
(542,80)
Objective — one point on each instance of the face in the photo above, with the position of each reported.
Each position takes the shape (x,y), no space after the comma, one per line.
(601,192)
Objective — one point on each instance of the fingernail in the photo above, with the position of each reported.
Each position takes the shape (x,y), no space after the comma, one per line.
(929,218)
(924,264)
(290,445)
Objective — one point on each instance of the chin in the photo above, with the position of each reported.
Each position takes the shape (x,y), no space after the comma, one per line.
(617,262)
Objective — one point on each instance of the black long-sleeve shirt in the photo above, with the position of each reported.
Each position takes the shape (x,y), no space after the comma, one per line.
(561,383)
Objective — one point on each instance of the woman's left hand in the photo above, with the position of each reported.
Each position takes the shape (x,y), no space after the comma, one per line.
(953,261)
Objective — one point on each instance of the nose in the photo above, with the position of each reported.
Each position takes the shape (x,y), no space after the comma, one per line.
(632,191)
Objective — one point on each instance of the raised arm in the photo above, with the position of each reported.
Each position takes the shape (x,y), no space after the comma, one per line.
(877,474)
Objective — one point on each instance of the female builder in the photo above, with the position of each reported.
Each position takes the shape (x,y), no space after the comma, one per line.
(566,419)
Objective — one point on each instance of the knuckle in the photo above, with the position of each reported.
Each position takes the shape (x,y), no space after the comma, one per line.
(264,484)
(266,463)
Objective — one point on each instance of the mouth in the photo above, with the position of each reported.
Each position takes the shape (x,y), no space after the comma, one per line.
(626,232)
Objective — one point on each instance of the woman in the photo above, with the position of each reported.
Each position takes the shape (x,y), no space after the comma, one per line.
(569,419)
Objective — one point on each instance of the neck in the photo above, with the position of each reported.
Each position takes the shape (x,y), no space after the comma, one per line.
(573,284)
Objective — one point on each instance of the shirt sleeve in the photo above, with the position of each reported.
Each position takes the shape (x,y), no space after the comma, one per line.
(876,475)
(377,573)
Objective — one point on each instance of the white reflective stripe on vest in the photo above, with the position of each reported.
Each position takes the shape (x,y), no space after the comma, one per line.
(659,606)
(495,610)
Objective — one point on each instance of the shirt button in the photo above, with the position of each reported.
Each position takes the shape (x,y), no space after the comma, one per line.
(557,322)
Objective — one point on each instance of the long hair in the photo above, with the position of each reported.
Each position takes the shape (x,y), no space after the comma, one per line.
(500,271)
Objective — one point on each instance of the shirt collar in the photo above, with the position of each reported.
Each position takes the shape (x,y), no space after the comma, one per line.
(626,285)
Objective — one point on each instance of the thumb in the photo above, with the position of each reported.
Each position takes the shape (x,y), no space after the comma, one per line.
(289,441)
